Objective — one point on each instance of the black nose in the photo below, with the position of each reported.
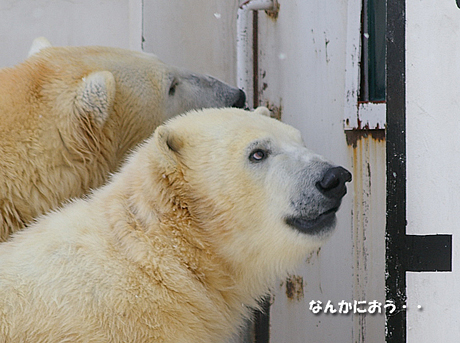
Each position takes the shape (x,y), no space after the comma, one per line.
(333,182)
(241,101)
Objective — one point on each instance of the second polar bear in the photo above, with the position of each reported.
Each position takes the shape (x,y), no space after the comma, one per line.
(69,115)
(178,247)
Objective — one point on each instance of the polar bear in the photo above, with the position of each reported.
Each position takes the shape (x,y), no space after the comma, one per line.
(69,115)
(179,245)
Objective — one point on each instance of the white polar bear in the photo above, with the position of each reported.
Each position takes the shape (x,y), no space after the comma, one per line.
(178,247)
(69,115)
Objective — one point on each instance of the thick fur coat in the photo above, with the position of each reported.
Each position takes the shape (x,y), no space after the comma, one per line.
(69,116)
(180,244)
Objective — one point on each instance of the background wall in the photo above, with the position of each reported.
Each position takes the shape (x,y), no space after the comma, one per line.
(306,64)
(198,35)
(433,160)
(116,23)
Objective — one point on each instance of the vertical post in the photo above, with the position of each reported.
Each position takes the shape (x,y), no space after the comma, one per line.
(255,58)
(364,65)
(248,80)
(244,56)
(262,323)
(395,280)
(248,47)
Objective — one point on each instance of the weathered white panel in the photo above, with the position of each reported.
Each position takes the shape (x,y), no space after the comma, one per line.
(302,71)
(367,116)
(198,35)
(433,160)
(80,22)
(369,186)
(309,68)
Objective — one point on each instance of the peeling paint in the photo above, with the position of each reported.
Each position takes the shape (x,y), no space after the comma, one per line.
(364,114)
(327,41)
(313,254)
(353,136)
(367,148)
(294,287)
(275,111)
(273,14)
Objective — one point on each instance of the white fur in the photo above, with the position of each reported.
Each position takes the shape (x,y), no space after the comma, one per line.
(38,44)
(69,116)
(176,248)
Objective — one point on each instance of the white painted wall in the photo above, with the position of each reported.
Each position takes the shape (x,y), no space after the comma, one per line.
(433,161)
(309,65)
(302,64)
(198,35)
(115,23)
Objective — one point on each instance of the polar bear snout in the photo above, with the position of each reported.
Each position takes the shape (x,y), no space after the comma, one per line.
(315,214)
(333,183)
(241,99)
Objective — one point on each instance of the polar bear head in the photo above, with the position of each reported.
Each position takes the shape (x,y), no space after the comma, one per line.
(73,113)
(262,198)
(181,243)
(116,95)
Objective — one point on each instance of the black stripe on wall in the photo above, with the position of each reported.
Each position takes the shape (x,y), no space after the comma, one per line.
(395,276)
(414,253)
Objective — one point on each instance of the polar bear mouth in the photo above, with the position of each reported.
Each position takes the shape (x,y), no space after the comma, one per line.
(324,222)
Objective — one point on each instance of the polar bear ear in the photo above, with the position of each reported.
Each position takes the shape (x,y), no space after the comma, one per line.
(262,110)
(38,44)
(168,143)
(96,96)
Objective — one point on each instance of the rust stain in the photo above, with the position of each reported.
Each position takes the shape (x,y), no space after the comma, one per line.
(275,111)
(294,287)
(353,136)
(312,254)
(273,14)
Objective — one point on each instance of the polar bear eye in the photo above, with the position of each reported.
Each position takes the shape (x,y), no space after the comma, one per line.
(172,88)
(258,155)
